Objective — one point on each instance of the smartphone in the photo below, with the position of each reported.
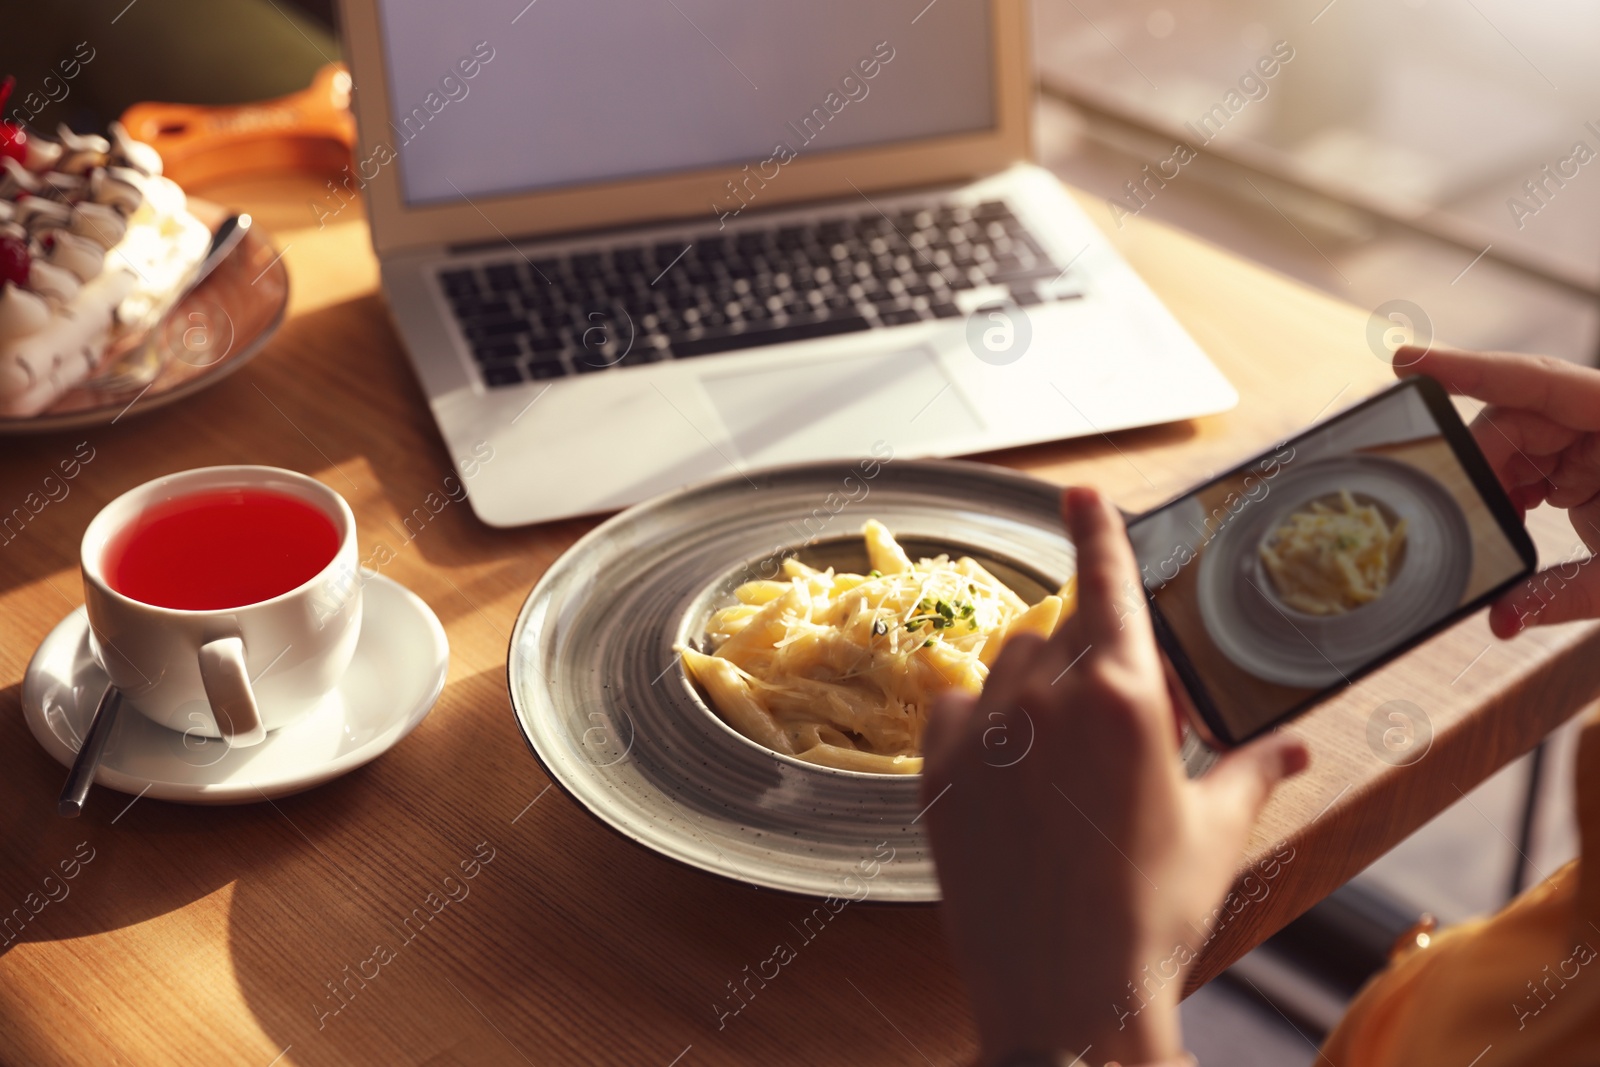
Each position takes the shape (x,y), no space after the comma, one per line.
(1287,578)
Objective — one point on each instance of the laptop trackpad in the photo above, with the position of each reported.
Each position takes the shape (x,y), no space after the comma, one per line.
(840,407)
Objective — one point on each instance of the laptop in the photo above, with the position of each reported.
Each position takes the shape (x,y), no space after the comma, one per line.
(638,244)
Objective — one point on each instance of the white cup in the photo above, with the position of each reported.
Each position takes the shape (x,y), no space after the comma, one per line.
(233,673)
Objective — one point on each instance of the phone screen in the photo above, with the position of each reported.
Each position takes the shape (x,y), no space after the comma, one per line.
(1287,578)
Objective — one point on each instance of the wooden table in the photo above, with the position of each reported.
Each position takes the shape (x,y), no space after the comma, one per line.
(231,935)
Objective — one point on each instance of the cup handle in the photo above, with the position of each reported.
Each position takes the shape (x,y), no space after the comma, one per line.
(227,685)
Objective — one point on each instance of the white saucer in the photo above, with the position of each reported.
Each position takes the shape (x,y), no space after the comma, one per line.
(396,676)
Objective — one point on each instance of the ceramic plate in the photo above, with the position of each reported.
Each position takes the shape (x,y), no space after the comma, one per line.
(1266,637)
(606,707)
(215,331)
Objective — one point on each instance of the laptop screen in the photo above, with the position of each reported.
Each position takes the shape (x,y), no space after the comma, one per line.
(493,98)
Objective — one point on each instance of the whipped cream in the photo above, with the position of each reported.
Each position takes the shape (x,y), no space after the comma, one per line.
(94,242)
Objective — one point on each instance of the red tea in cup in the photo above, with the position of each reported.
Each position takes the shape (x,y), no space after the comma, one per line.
(222,548)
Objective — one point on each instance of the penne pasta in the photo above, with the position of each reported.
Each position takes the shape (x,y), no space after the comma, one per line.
(840,669)
(729,689)
(1040,619)
(853,759)
(1328,559)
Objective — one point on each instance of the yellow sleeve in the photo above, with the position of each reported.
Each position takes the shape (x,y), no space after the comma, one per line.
(1520,988)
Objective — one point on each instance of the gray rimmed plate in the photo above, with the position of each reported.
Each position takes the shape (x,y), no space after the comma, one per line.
(1258,632)
(603,702)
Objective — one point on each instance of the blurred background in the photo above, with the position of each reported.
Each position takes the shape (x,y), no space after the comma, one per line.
(1436,152)
(1380,162)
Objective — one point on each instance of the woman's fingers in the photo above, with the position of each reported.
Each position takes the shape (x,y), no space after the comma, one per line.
(1576,477)
(1012,670)
(1239,785)
(943,735)
(1563,593)
(1110,618)
(1516,441)
(1563,392)
(1527,497)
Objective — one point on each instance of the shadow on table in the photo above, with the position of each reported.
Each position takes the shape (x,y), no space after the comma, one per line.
(449,906)
(124,864)
(126,860)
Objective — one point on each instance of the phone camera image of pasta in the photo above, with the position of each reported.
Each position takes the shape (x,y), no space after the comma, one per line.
(840,669)
(1328,559)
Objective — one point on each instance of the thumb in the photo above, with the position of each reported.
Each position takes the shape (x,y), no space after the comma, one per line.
(1561,593)
(941,735)
(1237,788)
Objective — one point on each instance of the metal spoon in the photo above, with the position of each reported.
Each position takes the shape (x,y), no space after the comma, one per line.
(141,365)
(70,806)
(223,242)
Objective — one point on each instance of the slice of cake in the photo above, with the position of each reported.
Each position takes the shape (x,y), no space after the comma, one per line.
(94,242)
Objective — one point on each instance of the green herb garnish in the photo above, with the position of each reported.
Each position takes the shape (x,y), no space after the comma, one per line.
(940,614)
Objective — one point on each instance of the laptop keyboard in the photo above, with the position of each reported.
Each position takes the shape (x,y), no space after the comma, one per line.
(633,304)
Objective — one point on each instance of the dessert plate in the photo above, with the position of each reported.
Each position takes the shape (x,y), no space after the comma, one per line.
(215,330)
(605,706)
(396,676)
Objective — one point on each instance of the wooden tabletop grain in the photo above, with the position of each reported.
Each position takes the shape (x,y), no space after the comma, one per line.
(320,929)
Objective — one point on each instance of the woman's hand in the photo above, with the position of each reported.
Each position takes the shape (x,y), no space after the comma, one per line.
(1069,869)
(1541,433)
